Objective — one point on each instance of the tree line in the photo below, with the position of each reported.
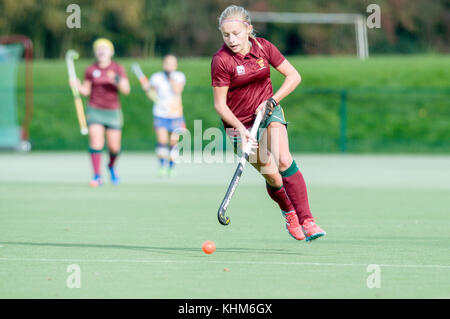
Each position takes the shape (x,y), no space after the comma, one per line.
(190,27)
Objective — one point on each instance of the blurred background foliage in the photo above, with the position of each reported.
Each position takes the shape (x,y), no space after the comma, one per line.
(147,28)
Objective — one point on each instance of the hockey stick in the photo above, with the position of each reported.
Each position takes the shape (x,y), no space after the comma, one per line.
(225,220)
(72,55)
(143,79)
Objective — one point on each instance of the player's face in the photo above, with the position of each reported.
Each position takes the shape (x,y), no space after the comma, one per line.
(235,35)
(170,64)
(103,53)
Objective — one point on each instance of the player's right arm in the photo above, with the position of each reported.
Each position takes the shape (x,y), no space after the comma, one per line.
(220,104)
(84,88)
(221,107)
(146,86)
(149,89)
(221,79)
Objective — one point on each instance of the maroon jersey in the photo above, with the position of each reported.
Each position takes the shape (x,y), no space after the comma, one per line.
(247,77)
(104,93)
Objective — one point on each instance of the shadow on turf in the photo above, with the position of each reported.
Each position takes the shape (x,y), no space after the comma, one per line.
(163,250)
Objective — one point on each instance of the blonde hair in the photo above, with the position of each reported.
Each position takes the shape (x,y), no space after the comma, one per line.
(236,13)
(103,41)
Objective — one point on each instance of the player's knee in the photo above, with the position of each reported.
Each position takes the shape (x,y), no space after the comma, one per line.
(285,161)
(174,152)
(174,138)
(162,136)
(96,145)
(162,150)
(274,180)
(96,141)
(268,168)
(115,149)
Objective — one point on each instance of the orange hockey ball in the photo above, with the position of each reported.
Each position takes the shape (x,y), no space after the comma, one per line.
(208,247)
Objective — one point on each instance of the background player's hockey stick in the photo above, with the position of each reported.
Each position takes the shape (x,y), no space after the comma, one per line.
(143,79)
(224,220)
(72,55)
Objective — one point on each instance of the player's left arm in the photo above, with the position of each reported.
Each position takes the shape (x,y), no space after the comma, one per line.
(124,85)
(120,79)
(177,85)
(291,79)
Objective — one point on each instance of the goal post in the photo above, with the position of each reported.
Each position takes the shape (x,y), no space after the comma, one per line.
(12,134)
(362,44)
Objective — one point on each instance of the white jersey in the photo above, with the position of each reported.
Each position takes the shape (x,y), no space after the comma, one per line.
(167,105)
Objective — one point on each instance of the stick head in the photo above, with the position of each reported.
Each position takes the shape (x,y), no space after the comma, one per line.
(137,70)
(224,220)
(84,131)
(72,54)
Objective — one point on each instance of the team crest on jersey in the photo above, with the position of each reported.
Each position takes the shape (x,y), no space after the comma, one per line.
(96,73)
(260,62)
(240,69)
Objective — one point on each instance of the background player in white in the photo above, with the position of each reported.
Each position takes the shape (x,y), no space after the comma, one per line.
(168,120)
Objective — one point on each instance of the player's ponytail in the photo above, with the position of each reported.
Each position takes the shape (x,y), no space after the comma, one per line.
(238,13)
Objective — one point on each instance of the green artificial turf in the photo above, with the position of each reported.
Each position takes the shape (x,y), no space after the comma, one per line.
(143,238)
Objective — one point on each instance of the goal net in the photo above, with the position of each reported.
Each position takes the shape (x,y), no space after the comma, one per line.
(325,32)
(10,132)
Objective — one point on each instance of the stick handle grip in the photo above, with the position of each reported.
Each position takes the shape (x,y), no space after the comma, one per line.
(81,116)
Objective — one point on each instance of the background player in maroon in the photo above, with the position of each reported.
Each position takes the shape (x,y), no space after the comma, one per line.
(102,82)
(240,73)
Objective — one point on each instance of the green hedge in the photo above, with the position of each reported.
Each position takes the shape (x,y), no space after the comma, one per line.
(394,104)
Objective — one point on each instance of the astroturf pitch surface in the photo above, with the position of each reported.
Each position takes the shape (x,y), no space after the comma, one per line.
(143,239)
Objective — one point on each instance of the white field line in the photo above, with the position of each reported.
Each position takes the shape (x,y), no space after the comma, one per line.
(242,262)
